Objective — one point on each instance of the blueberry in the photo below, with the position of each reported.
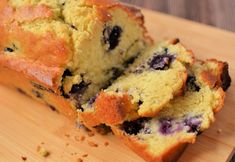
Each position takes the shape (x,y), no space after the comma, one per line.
(11,48)
(134,127)
(193,124)
(8,49)
(74,27)
(92,99)
(191,84)
(37,94)
(79,88)
(112,36)
(166,126)
(140,102)
(160,62)
(66,73)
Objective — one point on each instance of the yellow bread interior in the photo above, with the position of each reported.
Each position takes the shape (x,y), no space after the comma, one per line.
(151,89)
(81,25)
(185,116)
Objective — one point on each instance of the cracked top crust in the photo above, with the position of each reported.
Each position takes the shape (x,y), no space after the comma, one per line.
(38,33)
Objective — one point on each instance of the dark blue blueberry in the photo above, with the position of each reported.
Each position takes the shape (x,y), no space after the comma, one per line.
(66,73)
(166,126)
(193,123)
(160,62)
(8,49)
(133,127)
(74,27)
(11,48)
(112,36)
(79,88)
(140,102)
(191,84)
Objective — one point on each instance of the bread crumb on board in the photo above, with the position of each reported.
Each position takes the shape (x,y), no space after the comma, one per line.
(24,158)
(92,144)
(80,138)
(79,160)
(42,151)
(106,143)
(84,155)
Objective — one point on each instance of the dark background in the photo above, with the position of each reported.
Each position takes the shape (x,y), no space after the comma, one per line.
(219,13)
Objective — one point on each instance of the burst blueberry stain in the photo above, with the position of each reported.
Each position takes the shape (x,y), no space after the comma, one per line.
(191,84)
(160,62)
(166,126)
(193,124)
(112,36)
(92,99)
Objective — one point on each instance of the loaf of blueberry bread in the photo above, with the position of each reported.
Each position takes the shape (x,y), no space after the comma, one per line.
(163,138)
(147,86)
(62,52)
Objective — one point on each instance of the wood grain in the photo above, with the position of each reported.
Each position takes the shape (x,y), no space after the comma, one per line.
(212,12)
(24,123)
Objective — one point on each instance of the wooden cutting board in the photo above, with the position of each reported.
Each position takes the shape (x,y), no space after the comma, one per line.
(26,124)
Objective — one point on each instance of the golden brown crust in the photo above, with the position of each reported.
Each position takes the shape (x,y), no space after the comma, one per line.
(103,7)
(46,76)
(37,63)
(44,60)
(174,152)
(109,109)
(18,80)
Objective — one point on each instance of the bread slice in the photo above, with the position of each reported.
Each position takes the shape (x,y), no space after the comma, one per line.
(163,137)
(145,88)
(63,52)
